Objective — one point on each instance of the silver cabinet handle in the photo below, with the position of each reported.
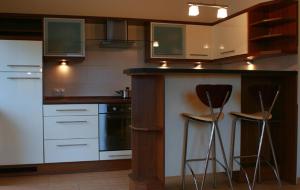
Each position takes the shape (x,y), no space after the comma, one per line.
(198,54)
(67,145)
(72,110)
(226,52)
(24,78)
(23,65)
(123,155)
(62,122)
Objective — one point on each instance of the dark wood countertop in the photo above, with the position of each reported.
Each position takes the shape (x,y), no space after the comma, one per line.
(86,100)
(158,71)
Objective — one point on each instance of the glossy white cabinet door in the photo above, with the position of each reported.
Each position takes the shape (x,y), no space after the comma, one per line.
(21,121)
(198,42)
(20,55)
(231,37)
(70,110)
(70,127)
(71,150)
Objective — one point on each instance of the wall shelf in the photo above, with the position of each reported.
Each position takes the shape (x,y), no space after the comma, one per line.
(268,37)
(273,29)
(271,22)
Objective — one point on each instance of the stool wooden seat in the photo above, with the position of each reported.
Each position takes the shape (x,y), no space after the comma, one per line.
(254,116)
(204,118)
(213,96)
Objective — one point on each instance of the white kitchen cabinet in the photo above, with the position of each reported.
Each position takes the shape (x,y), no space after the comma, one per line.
(231,37)
(70,109)
(199,42)
(21,55)
(71,133)
(68,127)
(71,150)
(21,121)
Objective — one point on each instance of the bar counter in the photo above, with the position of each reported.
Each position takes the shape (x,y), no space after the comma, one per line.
(160,95)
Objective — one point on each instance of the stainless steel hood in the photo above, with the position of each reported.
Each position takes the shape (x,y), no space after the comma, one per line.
(116,35)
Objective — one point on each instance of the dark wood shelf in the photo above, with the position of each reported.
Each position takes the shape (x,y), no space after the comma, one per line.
(271,21)
(268,37)
(34,31)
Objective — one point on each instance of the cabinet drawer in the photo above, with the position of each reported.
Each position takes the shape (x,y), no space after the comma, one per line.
(70,127)
(71,150)
(70,109)
(116,155)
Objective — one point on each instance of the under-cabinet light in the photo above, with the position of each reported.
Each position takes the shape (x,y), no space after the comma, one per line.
(164,65)
(63,62)
(249,62)
(198,65)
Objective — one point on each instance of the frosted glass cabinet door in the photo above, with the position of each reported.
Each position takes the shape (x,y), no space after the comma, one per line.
(64,37)
(170,38)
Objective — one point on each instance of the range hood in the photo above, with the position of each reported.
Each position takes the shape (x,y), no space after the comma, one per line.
(116,35)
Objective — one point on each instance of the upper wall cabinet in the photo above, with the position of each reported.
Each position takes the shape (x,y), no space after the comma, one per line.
(199,42)
(64,37)
(231,37)
(167,41)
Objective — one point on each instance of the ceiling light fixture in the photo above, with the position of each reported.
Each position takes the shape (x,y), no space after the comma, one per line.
(194,9)
(222,13)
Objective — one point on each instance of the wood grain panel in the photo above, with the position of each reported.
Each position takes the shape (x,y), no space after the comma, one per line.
(147,143)
(283,124)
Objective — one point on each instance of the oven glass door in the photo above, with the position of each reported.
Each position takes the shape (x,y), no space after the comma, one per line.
(114,131)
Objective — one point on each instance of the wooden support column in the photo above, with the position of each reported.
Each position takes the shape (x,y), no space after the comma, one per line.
(148,153)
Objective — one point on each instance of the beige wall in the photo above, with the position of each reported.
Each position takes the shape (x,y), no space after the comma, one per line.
(150,9)
(101,73)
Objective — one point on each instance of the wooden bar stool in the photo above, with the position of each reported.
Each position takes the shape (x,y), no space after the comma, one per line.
(266,95)
(215,97)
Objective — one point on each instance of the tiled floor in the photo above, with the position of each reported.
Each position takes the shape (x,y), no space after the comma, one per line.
(117,180)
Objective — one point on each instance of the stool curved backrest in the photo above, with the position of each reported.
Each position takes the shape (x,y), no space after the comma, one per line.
(218,94)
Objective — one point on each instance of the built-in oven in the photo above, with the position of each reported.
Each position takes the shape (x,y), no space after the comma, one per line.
(114,131)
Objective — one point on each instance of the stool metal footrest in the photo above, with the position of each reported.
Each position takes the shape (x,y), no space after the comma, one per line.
(197,160)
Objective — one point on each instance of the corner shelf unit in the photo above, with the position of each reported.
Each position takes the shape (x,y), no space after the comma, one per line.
(273,29)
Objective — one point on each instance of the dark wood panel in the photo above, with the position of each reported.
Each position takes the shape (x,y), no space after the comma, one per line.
(148,142)
(283,124)
(273,28)
(60,168)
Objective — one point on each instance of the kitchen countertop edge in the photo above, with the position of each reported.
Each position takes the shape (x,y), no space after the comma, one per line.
(158,71)
(85,100)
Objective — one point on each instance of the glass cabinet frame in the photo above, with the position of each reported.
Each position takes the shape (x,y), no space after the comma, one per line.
(172,42)
(63,46)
